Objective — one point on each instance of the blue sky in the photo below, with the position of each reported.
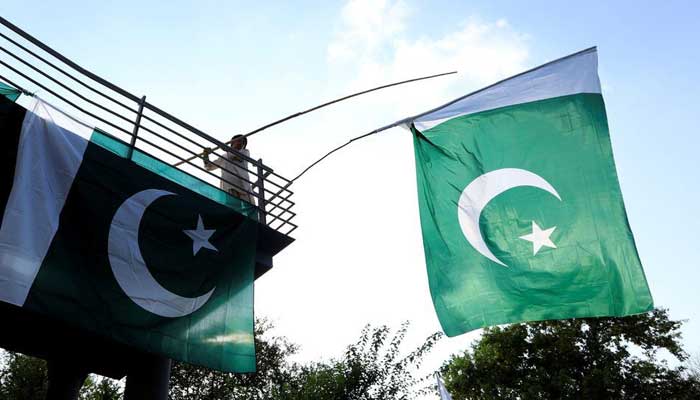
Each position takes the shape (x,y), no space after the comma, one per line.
(230,67)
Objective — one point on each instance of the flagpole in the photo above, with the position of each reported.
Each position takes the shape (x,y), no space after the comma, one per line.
(395,124)
(338,100)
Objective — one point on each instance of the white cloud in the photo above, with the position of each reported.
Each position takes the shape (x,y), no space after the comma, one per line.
(374,46)
(366,26)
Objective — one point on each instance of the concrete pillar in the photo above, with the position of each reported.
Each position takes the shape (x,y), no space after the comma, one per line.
(65,379)
(148,378)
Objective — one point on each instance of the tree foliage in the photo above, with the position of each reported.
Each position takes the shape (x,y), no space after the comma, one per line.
(22,377)
(100,388)
(374,367)
(610,358)
(25,378)
(371,368)
(190,382)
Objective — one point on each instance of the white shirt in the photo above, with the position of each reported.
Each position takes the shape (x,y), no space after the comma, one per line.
(234,175)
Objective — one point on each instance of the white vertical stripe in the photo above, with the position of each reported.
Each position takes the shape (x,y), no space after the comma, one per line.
(570,75)
(48,158)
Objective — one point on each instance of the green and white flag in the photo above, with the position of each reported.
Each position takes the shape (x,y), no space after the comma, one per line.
(520,205)
(93,239)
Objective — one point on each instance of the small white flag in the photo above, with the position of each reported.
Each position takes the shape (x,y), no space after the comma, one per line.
(444,394)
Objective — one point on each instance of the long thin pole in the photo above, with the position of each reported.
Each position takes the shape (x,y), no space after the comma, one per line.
(137,125)
(395,124)
(287,118)
(300,113)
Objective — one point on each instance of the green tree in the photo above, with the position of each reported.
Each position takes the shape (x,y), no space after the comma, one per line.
(693,366)
(22,377)
(189,381)
(100,388)
(25,378)
(611,358)
(372,368)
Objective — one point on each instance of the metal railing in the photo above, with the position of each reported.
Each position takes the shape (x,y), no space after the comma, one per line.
(31,66)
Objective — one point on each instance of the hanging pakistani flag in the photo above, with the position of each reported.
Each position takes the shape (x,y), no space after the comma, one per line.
(96,240)
(520,205)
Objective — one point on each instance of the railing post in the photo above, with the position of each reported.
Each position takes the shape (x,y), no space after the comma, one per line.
(262,217)
(137,124)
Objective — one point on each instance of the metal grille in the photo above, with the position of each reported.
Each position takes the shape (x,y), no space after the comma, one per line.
(30,66)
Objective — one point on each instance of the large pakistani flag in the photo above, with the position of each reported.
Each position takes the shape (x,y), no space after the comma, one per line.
(520,204)
(96,240)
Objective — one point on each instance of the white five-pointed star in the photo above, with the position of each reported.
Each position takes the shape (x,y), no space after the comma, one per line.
(539,237)
(200,237)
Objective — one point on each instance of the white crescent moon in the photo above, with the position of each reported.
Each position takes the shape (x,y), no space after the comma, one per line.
(481,191)
(130,269)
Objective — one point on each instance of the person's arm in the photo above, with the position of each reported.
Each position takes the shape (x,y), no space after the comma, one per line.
(211,165)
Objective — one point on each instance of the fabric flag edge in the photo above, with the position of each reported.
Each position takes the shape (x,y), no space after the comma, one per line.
(556,78)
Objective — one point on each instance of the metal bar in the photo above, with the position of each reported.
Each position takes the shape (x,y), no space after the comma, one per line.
(137,124)
(16,86)
(284,199)
(279,176)
(147,118)
(280,191)
(281,219)
(261,193)
(64,86)
(282,212)
(52,65)
(180,158)
(116,88)
(275,184)
(211,139)
(63,98)
(280,226)
(282,216)
(65,60)
(288,194)
(279,205)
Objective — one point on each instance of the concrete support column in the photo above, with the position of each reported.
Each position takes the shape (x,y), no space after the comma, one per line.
(65,379)
(148,378)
